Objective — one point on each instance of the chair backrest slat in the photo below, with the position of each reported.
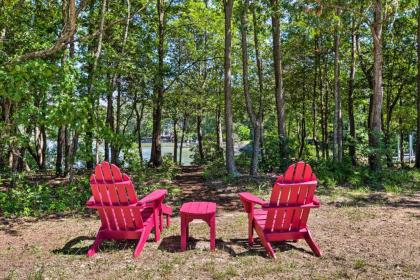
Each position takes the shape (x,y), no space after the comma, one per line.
(284,219)
(110,187)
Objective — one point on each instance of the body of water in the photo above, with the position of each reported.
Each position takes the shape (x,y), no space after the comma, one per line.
(168,148)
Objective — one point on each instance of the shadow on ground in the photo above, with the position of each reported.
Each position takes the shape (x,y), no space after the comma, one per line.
(234,247)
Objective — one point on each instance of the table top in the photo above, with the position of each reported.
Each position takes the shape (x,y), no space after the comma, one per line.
(198,208)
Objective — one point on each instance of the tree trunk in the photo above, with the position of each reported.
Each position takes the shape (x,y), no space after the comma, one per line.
(61,137)
(338,134)
(260,116)
(302,122)
(375,127)
(90,90)
(248,101)
(109,122)
(314,98)
(139,118)
(115,147)
(278,78)
(352,146)
(418,88)
(156,153)
(115,82)
(184,127)
(199,138)
(219,132)
(175,155)
(326,112)
(230,161)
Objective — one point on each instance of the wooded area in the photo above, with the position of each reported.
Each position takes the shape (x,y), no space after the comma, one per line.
(86,81)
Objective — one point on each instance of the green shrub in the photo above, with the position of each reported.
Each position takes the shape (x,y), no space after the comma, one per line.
(215,169)
(36,200)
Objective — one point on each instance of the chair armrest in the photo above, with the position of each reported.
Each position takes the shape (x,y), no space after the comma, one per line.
(156,196)
(90,202)
(250,198)
(316,200)
(166,210)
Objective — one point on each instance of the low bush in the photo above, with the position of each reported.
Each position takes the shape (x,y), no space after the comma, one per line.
(26,199)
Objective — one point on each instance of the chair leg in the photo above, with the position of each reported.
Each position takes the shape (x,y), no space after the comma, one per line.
(311,242)
(142,241)
(168,221)
(161,220)
(266,244)
(95,246)
(156,224)
(250,232)
(269,248)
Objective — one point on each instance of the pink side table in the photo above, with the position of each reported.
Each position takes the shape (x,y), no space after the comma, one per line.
(198,210)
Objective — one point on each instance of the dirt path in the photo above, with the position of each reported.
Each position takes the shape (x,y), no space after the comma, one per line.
(194,188)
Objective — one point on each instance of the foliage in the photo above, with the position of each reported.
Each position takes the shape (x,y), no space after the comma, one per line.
(26,199)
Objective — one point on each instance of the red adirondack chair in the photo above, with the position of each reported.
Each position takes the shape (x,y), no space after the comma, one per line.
(122,215)
(284,217)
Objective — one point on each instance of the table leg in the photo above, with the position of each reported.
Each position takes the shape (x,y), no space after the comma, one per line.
(184,226)
(213,233)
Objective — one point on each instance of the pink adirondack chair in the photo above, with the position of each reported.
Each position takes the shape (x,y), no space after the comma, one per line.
(122,215)
(284,217)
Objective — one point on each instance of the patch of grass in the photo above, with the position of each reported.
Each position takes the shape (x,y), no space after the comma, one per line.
(359,264)
(227,273)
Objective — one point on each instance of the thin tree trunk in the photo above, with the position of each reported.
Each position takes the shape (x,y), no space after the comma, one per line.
(260,87)
(219,132)
(115,147)
(115,81)
(156,153)
(352,146)
(230,161)
(418,88)
(199,137)
(175,131)
(278,77)
(302,122)
(326,112)
(375,126)
(248,101)
(184,127)
(401,135)
(61,137)
(89,133)
(314,98)
(338,134)
(139,118)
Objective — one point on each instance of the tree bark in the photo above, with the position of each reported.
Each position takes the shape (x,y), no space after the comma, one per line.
(175,131)
(199,137)
(115,82)
(61,136)
(184,127)
(352,146)
(256,122)
(156,153)
(258,61)
(139,118)
(338,133)
(230,161)
(314,98)
(90,90)
(278,77)
(418,88)
(375,127)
